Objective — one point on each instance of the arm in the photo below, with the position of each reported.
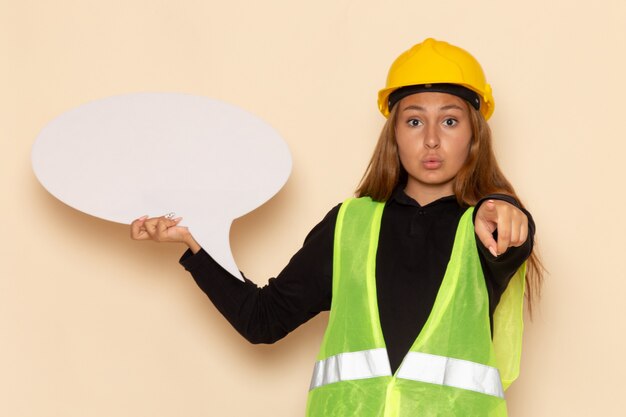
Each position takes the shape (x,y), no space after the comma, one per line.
(267,314)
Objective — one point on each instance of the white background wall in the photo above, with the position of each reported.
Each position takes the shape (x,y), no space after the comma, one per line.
(93,324)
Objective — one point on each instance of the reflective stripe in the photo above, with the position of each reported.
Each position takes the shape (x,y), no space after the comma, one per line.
(416,366)
(351,365)
(452,372)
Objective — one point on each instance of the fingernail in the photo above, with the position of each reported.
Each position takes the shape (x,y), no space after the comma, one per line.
(143,217)
(493,251)
(177,219)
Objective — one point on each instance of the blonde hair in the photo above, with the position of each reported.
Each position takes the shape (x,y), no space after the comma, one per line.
(477,178)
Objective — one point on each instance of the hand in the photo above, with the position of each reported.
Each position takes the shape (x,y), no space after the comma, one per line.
(162,229)
(510,222)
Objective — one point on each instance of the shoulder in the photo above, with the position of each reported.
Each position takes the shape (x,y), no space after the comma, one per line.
(326,227)
(360,203)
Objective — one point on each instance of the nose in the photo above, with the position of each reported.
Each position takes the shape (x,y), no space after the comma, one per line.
(431,141)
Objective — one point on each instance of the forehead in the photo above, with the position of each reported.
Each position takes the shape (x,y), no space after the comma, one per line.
(432,101)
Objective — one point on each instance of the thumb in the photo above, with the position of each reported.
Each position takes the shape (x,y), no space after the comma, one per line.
(165,223)
(488,211)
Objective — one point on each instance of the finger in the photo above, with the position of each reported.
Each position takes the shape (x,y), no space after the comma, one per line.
(506,224)
(486,223)
(523,234)
(504,233)
(163,226)
(161,229)
(137,231)
(150,226)
(519,226)
(515,231)
(485,236)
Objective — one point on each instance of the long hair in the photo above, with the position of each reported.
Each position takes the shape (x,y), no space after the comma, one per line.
(477,178)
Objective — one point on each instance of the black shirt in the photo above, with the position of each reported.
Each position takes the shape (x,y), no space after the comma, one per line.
(413,251)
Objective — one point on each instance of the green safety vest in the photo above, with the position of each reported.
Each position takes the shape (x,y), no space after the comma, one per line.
(454,367)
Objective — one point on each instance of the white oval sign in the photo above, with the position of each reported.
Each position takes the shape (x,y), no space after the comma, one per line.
(154,153)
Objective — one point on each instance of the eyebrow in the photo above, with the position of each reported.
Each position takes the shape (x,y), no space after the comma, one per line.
(420,108)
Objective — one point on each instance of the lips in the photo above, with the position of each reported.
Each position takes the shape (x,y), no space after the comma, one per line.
(432,163)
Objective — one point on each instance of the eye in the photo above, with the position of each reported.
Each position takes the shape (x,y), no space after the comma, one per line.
(449,122)
(414,122)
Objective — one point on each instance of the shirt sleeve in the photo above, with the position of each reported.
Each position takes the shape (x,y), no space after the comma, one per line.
(499,270)
(267,314)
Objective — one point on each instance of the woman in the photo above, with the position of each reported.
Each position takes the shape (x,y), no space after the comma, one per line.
(425,292)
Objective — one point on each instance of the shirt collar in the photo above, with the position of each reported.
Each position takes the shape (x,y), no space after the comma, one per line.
(400,197)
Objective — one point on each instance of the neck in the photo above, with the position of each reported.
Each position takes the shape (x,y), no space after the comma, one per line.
(426,195)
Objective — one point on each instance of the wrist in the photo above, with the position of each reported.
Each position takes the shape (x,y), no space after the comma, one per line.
(192,245)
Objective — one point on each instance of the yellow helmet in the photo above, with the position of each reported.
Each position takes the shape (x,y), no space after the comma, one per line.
(438,66)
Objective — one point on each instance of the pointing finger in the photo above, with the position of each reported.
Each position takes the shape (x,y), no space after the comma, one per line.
(485,235)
